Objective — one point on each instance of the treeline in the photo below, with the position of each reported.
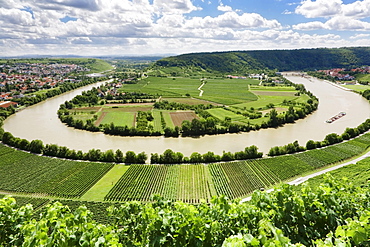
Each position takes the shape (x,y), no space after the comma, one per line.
(171,157)
(242,62)
(330,139)
(53,150)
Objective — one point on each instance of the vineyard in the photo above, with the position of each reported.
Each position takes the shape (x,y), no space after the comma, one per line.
(26,173)
(194,183)
(23,172)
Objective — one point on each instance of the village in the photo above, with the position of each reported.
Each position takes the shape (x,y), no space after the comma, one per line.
(21,79)
(345,75)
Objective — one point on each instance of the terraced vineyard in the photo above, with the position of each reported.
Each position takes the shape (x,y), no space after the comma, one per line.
(28,173)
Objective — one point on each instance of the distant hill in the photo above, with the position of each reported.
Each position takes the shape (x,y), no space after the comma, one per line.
(281,60)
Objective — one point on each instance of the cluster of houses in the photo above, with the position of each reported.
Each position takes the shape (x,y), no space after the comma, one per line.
(18,79)
(42,69)
(338,74)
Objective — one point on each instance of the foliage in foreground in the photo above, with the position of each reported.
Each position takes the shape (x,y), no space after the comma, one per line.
(335,214)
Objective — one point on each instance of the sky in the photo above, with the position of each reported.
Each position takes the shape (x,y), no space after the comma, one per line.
(160,27)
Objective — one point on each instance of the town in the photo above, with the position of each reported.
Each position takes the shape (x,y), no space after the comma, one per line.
(18,80)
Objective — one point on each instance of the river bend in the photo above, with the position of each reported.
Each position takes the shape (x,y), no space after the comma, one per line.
(41,122)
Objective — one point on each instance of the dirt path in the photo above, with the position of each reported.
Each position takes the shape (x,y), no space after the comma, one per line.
(200,89)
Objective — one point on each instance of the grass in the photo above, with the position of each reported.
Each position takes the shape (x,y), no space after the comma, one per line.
(228,92)
(189,101)
(222,91)
(157,124)
(264,100)
(105,184)
(119,118)
(276,88)
(363,77)
(358,88)
(168,119)
(221,113)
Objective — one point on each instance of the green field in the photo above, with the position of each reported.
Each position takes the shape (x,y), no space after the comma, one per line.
(168,119)
(358,88)
(119,118)
(222,91)
(221,113)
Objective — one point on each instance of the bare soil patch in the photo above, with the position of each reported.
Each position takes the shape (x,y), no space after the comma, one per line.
(100,119)
(179,117)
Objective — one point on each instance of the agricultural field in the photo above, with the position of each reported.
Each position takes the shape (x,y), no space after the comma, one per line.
(241,101)
(28,173)
(236,179)
(357,88)
(180,116)
(221,114)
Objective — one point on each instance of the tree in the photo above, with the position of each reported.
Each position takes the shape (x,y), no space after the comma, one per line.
(273,120)
(141,158)
(36,146)
(154,158)
(118,158)
(109,156)
(196,158)
(130,157)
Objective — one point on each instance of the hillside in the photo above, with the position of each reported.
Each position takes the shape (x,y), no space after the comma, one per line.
(282,60)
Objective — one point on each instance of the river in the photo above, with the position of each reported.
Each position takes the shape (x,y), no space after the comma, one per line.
(41,122)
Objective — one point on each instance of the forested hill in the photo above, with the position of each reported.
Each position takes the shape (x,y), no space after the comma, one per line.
(282,60)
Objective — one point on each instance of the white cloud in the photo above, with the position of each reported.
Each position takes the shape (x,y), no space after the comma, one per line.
(360,36)
(224,8)
(309,26)
(319,8)
(340,23)
(358,9)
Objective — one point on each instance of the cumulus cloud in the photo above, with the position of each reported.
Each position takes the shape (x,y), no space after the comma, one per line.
(332,8)
(319,8)
(340,23)
(224,8)
(360,36)
(163,26)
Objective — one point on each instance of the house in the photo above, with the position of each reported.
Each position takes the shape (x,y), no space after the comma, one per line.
(6,104)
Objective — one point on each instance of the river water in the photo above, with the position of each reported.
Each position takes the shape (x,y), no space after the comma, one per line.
(41,122)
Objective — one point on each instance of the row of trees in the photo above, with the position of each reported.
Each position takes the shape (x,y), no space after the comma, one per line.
(330,139)
(38,147)
(171,157)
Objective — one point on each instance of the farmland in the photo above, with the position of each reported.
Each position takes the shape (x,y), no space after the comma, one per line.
(28,173)
(193,183)
(168,102)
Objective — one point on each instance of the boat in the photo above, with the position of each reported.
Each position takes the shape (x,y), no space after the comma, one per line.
(336,117)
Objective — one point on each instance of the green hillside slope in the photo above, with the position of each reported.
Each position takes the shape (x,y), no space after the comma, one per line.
(282,60)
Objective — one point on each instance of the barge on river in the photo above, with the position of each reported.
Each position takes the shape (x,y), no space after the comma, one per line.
(336,117)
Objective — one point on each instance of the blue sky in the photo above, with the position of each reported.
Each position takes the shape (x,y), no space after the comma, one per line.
(154,27)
